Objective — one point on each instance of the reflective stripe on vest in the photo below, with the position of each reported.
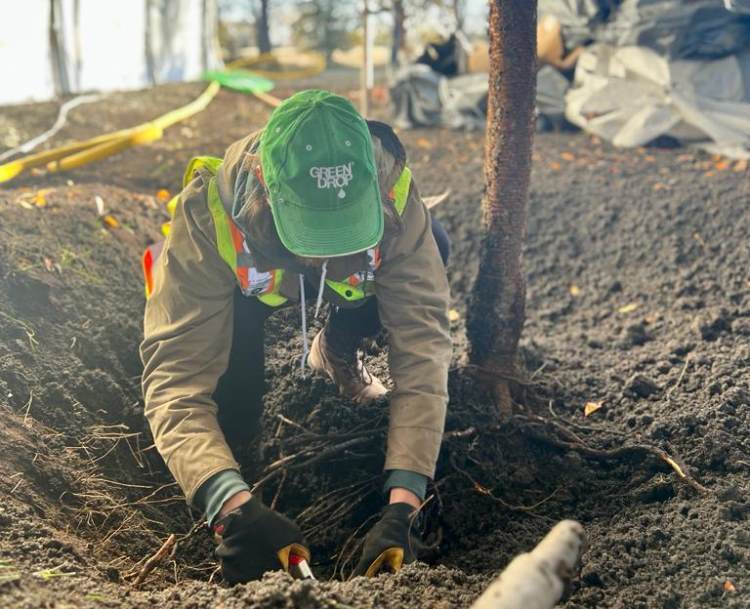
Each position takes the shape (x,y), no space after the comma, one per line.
(233,249)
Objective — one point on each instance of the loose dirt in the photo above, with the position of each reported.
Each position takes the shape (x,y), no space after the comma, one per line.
(639,300)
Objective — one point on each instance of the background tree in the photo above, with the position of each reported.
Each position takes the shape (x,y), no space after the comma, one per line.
(459,10)
(399,30)
(497,309)
(324,25)
(262,32)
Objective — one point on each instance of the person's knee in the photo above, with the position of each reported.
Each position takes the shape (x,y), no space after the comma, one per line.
(442,239)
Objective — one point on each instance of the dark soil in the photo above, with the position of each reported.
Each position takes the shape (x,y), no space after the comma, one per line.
(639,298)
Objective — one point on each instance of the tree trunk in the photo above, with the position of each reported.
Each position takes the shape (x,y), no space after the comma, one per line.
(497,307)
(458,13)
(399,33)
(261,28)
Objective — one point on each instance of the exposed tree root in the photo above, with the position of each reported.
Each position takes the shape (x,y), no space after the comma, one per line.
(560,436)
(165,550)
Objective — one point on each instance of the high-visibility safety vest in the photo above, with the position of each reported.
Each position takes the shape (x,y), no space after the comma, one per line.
(234,250)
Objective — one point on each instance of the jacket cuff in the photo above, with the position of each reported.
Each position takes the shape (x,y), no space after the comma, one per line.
(212,494)
(411,481)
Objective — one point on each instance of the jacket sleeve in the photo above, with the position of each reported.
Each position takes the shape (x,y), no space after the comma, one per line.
(187,340)
(412,291)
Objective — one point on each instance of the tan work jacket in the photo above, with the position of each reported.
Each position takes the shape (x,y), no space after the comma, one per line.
(189,316)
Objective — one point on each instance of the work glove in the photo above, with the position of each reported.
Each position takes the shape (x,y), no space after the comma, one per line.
(393,541)
(254,539)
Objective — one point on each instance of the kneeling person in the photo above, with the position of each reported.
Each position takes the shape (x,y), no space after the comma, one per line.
(319,198)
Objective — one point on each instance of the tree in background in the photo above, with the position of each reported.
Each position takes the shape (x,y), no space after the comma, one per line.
(324,25)
(498,301)
(399,30)
(263,36)
(402,10)
(459,12)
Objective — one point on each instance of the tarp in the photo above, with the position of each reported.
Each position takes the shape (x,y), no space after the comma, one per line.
(60,47)
(674,28)
(738,6)
(422,98)
(632,95)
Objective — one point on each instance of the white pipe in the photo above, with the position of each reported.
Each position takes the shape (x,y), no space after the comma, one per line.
(61,116)
(537,579)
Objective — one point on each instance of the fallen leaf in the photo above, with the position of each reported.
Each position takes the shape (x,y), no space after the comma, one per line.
(628,308)
(40,198)
(590,408)
(162,195)
(722,165)
(99,205)
(49,264)
(424,143)
(659,186)
(710,174)
(555,166)
(568,156)
(649,159)
(481,489)
(110,221)
(574,290)
(729,587)
(740,165)
(454,315)
(700,240)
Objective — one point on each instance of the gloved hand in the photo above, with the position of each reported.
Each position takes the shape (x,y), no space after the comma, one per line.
(255,539)
(392,542)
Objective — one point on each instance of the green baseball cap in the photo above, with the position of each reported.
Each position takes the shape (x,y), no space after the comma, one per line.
(318,167)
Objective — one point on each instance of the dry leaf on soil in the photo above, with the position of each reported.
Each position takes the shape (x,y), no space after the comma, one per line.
(590,408)
(628,308)
(729,587)
(574,290)
(51,265)
(110,221)
(722,165)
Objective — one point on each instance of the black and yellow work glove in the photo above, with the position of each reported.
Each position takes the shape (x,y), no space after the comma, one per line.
(254,539)
(393,541)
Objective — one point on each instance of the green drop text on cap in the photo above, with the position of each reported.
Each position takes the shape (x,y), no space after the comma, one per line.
(319,170)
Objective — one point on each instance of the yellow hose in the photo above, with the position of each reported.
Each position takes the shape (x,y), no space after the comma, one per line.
(76,154)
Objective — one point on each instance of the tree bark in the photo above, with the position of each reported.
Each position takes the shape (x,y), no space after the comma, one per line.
(399,32)
(497,306)
(261,28)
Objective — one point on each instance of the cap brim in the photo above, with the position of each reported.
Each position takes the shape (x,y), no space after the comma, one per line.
(329,233)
